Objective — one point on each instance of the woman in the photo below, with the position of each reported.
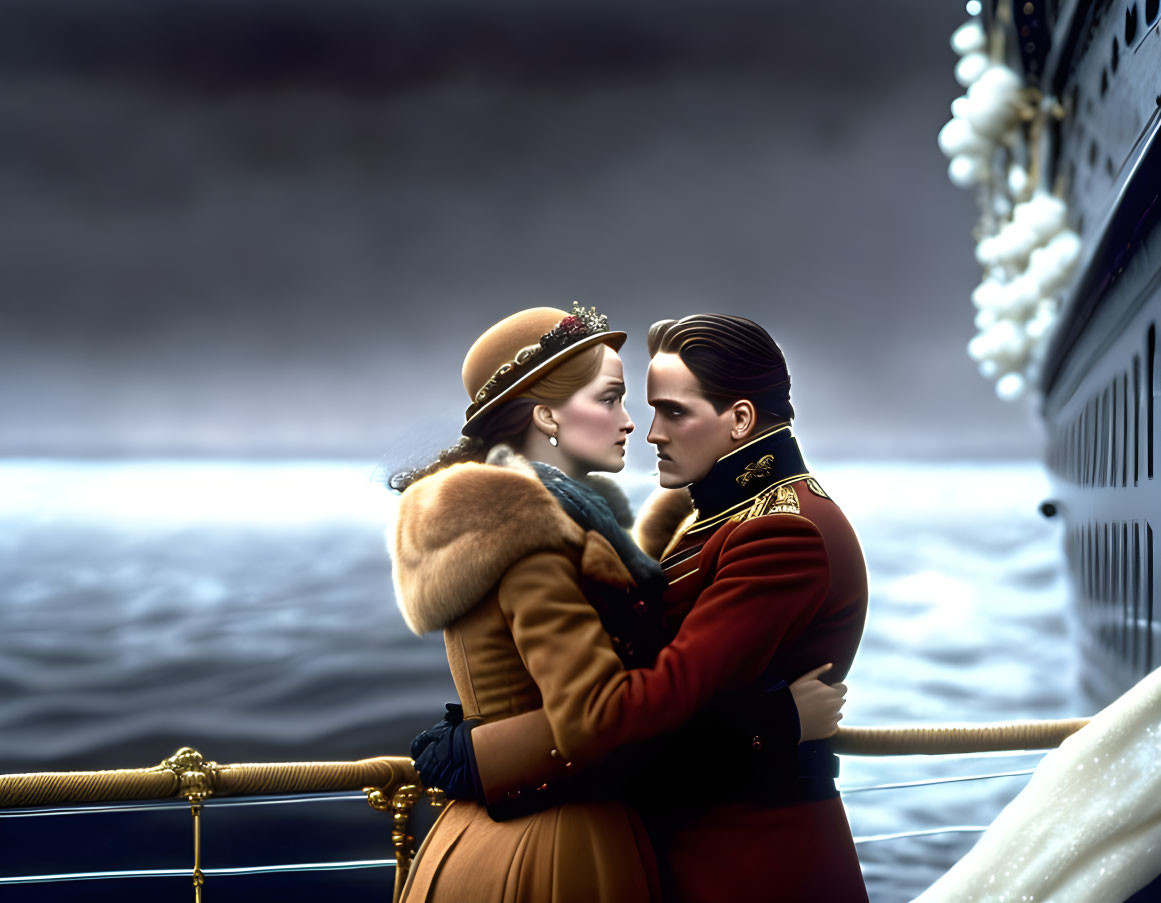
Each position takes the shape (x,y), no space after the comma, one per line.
(539,593)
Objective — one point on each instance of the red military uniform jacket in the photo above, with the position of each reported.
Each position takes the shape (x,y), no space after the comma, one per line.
(765,577)
(767,581)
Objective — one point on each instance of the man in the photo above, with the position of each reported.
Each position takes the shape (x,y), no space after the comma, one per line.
(766,580)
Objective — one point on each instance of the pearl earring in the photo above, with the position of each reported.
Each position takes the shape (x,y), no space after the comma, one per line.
(552,440)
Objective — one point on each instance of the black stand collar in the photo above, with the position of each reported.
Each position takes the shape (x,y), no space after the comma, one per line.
(770,459)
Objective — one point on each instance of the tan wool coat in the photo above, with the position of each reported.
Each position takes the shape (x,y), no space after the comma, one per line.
(486,554)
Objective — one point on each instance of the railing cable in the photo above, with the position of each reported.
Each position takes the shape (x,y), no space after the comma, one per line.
(930,781)
(184,872)
(925,832)
(169,805)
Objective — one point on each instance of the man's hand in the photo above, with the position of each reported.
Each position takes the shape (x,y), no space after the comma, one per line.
(819,705)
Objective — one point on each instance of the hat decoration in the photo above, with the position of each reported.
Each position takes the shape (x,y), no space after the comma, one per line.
(580,324)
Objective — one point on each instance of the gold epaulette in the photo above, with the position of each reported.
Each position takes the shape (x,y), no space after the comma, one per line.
(775,500)
(814,487)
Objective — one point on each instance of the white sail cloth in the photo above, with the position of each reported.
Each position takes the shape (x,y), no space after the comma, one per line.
(1087,827)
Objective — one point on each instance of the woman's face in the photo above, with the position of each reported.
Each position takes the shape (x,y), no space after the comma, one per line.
(593,424)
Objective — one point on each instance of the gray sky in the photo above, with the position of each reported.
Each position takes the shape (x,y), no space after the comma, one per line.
(270,227)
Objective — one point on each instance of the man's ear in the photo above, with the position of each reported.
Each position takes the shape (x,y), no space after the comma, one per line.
(743,420)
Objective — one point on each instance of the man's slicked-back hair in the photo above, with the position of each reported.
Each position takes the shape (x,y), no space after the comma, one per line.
(732,358)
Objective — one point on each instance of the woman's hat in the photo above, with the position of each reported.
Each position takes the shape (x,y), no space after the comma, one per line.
(522,348)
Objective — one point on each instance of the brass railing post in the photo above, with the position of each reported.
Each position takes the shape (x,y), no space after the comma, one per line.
(399,804)
(197,782)
(199,879)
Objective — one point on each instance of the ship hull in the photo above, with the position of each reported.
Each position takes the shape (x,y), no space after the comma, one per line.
(1100,373)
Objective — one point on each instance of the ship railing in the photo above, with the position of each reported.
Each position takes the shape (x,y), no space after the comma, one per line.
(392,785)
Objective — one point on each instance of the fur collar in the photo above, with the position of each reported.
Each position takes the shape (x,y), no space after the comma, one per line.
(461,528)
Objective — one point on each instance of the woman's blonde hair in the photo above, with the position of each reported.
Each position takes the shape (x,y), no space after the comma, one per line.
(561,383)
(510,420)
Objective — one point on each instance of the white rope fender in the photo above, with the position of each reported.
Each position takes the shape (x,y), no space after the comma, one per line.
(995,141)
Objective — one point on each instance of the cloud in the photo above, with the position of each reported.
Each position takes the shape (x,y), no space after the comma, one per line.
(296,264)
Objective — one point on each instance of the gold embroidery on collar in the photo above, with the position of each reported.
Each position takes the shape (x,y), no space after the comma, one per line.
(720,518)
(763,467)
(746,505)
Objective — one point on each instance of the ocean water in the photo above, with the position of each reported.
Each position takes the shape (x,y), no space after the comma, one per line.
(245,609)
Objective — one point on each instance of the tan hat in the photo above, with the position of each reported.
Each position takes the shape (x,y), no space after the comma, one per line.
(522,348)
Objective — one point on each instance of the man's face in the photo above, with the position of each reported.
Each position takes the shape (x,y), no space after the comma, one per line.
(689,434)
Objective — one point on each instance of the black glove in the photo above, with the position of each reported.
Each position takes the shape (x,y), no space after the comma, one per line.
(444,756)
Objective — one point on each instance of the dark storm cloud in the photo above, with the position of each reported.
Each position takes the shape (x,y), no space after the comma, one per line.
(368,45)
(275,227)
(356,46)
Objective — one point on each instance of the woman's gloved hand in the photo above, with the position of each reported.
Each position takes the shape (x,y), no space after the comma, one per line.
(444,756)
